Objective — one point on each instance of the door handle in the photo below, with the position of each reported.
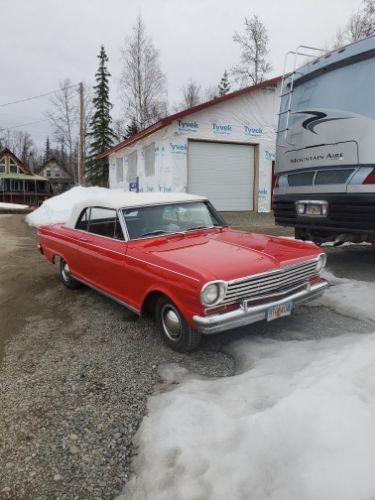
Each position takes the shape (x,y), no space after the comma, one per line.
(83,239)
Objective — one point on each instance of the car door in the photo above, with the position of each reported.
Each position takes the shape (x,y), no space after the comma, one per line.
(102,252)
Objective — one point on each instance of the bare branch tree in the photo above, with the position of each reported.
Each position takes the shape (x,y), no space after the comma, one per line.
(19,142)
(253,66)
(190,95)
(210,92)
(361,24)
(143,84)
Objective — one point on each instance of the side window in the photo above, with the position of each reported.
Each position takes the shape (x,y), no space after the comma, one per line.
(132,167)
(83,220)
(105,222)
(2,166)
(13,168)
(150,160)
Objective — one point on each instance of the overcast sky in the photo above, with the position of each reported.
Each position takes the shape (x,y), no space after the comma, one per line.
(44,41)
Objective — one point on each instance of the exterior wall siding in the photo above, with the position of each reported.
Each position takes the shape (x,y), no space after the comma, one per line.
(246,119)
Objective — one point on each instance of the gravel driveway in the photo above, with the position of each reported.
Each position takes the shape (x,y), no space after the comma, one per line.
(75,373)
(76,370)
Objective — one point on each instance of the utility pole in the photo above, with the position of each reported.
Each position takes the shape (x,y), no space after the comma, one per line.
(82,152)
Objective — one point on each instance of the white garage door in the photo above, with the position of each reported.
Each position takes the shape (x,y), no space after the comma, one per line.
(223,172)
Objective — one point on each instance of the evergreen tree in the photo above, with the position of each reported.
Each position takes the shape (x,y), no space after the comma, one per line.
(47,150)
(131,129)
(101,133)
(224,85)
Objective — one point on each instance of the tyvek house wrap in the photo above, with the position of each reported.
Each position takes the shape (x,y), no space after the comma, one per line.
(249,118)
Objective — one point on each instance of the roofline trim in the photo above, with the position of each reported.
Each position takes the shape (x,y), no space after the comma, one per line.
(169,119)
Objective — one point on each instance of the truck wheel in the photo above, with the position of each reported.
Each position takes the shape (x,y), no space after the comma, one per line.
(66,277)
(174,329)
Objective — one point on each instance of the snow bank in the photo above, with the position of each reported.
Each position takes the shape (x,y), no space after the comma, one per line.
(58,208)
(349,297)
(12,206)
(296,424)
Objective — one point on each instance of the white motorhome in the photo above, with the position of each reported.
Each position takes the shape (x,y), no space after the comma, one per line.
(325,153)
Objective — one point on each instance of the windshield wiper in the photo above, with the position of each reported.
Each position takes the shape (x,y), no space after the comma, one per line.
(198,227)
(154,233)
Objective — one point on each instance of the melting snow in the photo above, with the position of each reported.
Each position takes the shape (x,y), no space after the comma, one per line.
(297,424)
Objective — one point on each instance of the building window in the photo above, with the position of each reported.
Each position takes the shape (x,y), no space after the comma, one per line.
(13,168)
(150,160)
(119,170)
(2,166)
(132,167)
(48,172)
(57,172)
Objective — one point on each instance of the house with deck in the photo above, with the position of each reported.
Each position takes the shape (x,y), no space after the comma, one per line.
(18,184)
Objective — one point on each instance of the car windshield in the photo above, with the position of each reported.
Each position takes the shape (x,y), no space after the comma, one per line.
(157,220)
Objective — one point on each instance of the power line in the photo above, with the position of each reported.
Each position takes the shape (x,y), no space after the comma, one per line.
(38,96)
(24,125)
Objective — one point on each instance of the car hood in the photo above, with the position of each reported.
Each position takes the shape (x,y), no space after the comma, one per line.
(227,254)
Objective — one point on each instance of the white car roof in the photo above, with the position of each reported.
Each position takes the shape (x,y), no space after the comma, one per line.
(129,200)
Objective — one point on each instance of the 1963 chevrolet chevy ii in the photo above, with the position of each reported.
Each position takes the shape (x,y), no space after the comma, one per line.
(172,255)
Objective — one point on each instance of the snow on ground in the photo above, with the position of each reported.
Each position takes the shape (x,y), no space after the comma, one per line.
(12,206)
(298,422)
(58,208)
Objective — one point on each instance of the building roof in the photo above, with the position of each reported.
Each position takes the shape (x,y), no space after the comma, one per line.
(7,151)
(119,200)
(45,164)
(23,177)
(181,114)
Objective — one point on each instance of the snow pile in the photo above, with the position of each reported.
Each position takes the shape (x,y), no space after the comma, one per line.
(58,208)
(349,297)
(296,424)
(12,206)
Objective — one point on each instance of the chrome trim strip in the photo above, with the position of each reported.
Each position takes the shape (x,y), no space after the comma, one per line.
(106,294)
(274,271)
(161,267)
(246,315)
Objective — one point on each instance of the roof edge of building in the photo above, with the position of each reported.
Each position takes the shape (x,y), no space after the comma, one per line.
(181,114)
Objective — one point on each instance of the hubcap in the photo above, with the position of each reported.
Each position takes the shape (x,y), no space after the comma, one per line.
(171,321)
(65,271)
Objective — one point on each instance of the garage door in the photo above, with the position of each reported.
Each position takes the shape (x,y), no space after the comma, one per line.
(223,172)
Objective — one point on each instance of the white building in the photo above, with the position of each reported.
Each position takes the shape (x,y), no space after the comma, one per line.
(223,149)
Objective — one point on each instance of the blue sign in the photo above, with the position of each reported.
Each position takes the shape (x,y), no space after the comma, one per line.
(270,155)
(134,185)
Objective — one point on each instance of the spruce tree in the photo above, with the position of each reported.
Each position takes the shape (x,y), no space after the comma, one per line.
(224,85)
(47,150)
(100,132)
(131,129)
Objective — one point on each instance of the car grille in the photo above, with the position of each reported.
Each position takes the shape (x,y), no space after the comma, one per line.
(275,282)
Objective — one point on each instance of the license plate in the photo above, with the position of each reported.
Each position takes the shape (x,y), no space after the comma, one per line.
(278,311)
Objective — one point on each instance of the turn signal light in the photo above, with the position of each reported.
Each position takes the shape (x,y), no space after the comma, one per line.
(370,179)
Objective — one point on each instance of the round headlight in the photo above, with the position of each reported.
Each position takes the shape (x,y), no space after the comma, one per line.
(321,262)
(213,293)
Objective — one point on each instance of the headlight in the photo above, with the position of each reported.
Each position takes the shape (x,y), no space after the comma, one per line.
(213,293)
(321,262)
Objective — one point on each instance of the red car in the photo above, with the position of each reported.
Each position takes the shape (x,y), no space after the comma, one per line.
(172,255)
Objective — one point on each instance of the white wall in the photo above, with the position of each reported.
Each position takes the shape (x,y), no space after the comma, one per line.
(250,118)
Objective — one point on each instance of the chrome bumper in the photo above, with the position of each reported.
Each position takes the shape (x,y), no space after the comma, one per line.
(245,314)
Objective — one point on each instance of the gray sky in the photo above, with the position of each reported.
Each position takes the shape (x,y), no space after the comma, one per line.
(44,41)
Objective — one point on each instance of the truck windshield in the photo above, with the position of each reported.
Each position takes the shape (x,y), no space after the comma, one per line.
(346,89)
(144,222)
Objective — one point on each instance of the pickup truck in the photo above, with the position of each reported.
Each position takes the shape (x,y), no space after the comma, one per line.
(173,256)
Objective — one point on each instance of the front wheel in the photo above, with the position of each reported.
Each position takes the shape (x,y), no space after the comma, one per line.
(66,277)
(175,330)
